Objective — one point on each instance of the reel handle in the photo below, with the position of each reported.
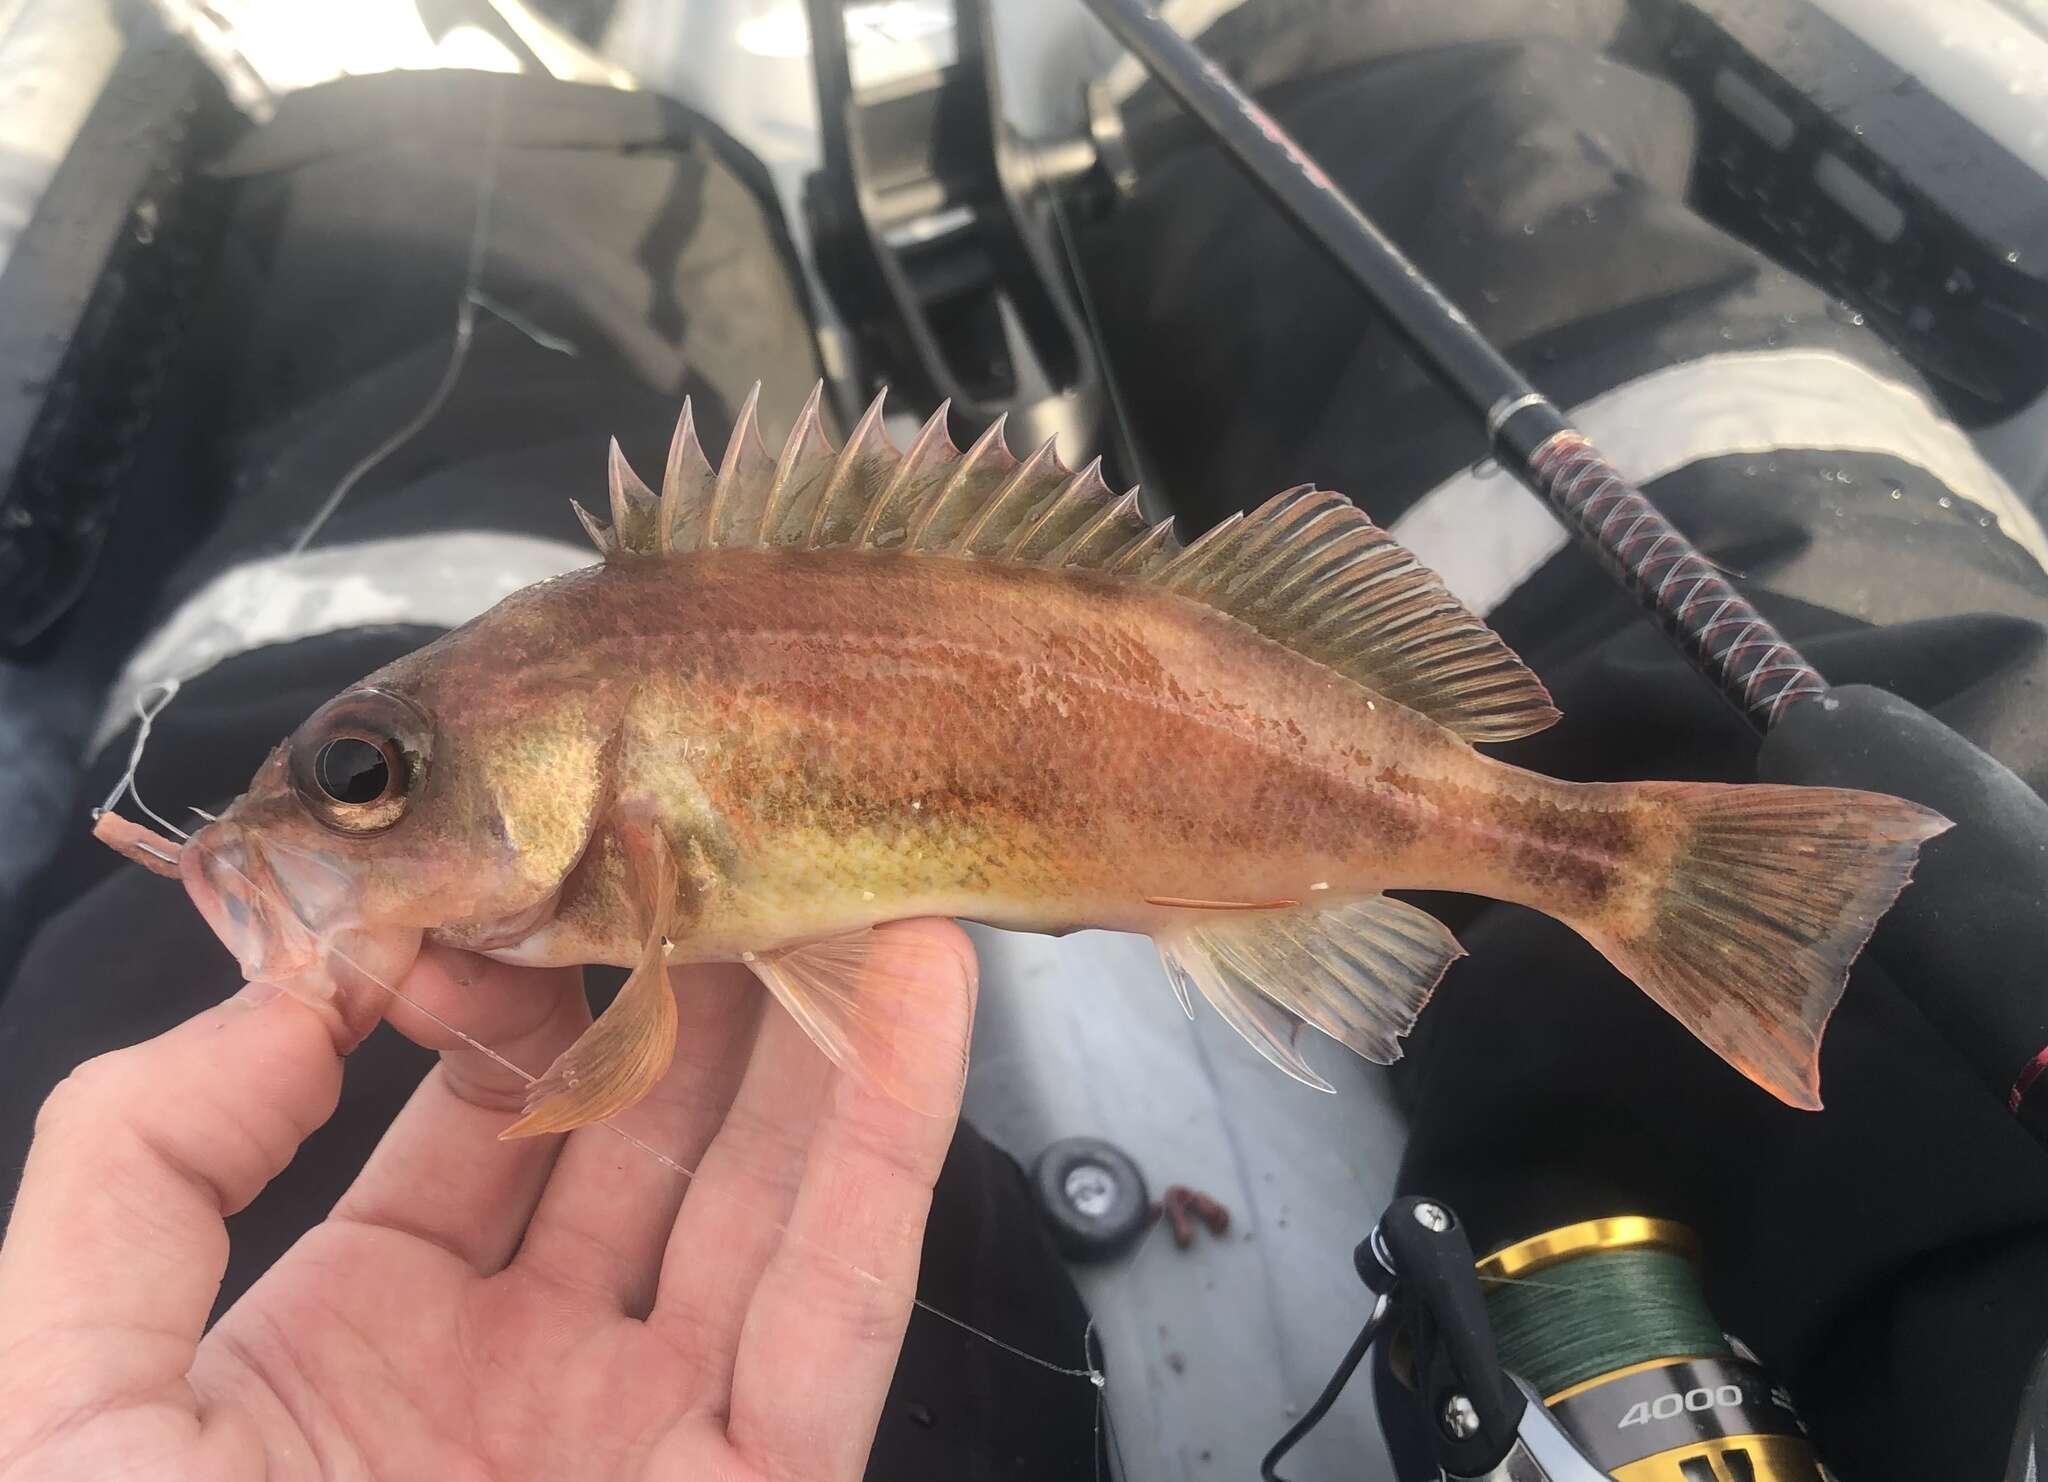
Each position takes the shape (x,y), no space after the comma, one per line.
(1473,1407)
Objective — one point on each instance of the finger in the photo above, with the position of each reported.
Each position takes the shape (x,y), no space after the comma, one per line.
(117,1244)
(607,1211)
(440,1173)
(735,1209)
(826,1325)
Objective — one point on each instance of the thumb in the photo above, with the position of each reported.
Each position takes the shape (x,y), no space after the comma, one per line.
(117,1245)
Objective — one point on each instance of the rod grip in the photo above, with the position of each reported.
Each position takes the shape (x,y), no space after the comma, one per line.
(1718,628)
(1968,937)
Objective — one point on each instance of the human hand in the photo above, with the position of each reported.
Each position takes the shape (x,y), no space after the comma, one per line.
(544,1308)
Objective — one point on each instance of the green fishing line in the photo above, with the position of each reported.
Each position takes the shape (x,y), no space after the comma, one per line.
(1601,1311)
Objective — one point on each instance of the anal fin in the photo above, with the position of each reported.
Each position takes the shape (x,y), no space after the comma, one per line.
(884,1006)
(618,1060)
(1359,971)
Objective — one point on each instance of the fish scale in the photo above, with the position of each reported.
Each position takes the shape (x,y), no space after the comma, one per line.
(810,693)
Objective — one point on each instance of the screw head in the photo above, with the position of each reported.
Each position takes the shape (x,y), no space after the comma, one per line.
(1460,1418)
(1432,1217)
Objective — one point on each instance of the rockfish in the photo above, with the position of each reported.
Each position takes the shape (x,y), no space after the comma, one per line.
(807,694)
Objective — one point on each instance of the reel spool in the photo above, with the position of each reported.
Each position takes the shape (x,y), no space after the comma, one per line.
(1607,1320)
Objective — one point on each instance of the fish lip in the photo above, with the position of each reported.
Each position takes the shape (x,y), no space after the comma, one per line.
(288,915)
(278,909)
(229,880)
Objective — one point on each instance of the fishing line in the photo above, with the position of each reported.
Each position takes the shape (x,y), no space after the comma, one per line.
(1127,1268)
(1629,1359)
(465,326)
(1091,1373)
(1609,1310)
(146,712)
(151,702)
(465,329)
(1095,1446)
(546,339)
(1103,1416)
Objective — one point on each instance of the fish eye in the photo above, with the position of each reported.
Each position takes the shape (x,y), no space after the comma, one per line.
(357,761)
(351,769)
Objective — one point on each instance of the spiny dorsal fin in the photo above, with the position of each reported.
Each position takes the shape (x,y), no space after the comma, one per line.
(685,490)
(633,504)
(1306,569)
(927,497)
(743,482)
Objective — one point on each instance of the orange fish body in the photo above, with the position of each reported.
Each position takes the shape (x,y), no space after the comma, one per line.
(848,737)
(806,696)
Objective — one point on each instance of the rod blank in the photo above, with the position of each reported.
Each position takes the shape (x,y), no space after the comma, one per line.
(1713,624)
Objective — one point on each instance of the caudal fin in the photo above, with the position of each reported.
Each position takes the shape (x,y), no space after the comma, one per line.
(1773,892)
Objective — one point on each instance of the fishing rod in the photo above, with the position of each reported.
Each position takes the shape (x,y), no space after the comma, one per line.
(1981,889)
(1717,627)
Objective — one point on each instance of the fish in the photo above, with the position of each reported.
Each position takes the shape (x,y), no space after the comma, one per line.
(807,694)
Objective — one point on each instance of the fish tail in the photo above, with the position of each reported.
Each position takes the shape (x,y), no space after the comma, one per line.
(1768,897)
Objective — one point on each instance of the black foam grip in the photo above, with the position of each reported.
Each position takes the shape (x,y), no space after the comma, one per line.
(1969,937)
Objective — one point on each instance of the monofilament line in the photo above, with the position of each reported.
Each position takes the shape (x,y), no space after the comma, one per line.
(1092,1374)
(465,331)
(151,702)
(148,706)
(1089,1344)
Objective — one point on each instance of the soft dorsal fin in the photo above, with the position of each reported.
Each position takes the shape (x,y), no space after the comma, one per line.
(1310,571)
(1306,569)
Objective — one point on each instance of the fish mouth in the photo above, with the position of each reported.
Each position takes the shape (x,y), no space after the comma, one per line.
(290,916)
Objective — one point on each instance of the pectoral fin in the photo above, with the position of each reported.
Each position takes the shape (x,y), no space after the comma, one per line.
(618,1060)
(884,1006)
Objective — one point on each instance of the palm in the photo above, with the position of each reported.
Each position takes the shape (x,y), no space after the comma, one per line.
(514,1375)
(568,1306)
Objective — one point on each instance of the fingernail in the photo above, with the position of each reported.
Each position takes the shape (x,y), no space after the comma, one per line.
(255,995)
